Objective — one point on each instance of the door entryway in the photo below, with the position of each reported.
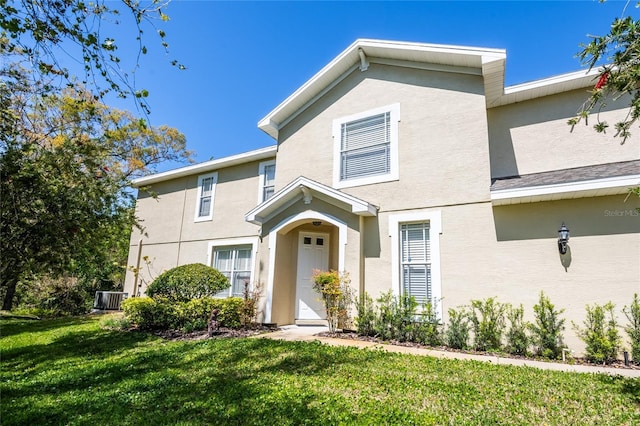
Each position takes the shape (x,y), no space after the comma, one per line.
(313,253)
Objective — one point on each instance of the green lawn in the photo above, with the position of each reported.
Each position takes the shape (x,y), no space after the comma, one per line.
(71,371)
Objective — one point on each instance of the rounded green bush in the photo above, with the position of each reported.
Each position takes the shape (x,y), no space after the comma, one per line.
(187,282)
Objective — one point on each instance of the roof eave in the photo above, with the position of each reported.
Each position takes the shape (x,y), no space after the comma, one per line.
(583,189)
(207,166)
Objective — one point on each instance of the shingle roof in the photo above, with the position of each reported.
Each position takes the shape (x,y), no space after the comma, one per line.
(578,174)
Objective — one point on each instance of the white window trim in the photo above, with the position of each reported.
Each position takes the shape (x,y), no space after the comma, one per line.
(434,218)
(234,242)
(393,174)
(263,165)
(201,178)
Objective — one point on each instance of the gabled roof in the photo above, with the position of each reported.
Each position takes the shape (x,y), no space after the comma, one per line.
(208,166)
(306,189)
(490,63)
(589,181)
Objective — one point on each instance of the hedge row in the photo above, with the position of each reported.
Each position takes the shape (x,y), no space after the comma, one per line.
(164,314)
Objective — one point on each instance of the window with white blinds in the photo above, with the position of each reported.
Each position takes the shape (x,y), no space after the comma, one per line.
(415,261)
(267,172)
(235,264)
(205,198)
(365,147)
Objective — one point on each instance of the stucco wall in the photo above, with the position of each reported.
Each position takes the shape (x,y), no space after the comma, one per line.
(443,146)
(511,252)
(171,237)
(533,136)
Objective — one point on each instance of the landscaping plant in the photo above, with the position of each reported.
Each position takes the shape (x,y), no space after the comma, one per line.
(632,313)
(457,330)
(428,329)
(517,338)
(600,333)
(366,316)
(487,320)
(547,329)
(187,282)
(336,295)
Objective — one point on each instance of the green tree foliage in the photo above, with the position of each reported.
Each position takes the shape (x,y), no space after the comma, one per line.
(66,161)
(487,318)
(187,282)
(619,77)
(42,33)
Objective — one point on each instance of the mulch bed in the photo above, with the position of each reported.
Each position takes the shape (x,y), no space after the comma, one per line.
(351,335)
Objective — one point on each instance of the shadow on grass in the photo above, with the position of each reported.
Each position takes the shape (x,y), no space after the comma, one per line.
(98,376)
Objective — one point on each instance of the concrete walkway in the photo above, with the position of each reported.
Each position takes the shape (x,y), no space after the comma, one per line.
(309,333)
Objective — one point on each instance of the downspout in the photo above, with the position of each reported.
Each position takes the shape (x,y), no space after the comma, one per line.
(136,275)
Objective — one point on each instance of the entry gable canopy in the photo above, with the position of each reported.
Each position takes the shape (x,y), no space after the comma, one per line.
(306,190)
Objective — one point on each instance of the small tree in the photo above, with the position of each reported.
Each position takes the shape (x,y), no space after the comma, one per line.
(336,295)
(547,328)
(633,329)
(600,334)
(366,316)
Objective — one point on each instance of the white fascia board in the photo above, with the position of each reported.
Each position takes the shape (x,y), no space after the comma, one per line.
(207,166)
(576,76)
(545,192)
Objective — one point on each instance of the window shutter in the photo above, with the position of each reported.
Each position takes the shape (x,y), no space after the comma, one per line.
(366,147)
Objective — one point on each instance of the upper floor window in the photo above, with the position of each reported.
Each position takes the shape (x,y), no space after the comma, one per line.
(267,172)
(206,195)
(366,147)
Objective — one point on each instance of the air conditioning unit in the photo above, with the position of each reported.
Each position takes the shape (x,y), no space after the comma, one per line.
(109,300)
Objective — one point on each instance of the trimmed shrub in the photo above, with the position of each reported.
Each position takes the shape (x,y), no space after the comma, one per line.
(151,314)
(487,318)
(428,331)
(457,331)
(187,282)
(163,314)
(517,338)
(547,329)
(366,316)
(632,313)
(600,334)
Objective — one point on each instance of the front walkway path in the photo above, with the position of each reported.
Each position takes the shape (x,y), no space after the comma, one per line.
(309,333)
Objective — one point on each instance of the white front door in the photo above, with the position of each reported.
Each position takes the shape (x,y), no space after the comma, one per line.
(313,253)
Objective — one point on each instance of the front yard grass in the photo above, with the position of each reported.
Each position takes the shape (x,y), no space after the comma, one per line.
(71,371)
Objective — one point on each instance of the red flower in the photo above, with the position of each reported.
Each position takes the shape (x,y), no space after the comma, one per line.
(603,80)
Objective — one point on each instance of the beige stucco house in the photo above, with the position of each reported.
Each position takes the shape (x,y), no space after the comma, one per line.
(411,167)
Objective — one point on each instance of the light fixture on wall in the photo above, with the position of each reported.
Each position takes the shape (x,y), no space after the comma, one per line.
(316,223)
(563,239)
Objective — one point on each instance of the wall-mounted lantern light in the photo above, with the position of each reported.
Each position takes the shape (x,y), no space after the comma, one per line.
(563,239)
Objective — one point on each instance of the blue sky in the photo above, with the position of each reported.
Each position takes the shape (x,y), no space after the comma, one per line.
(244,58)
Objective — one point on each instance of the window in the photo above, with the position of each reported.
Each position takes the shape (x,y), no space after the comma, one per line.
(267,172)
(415,259)
(415,255)
(206,195)
(235,264)
(366,147)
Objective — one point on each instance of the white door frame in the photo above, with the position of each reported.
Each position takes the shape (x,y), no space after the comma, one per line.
(273,239)
(315,301)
